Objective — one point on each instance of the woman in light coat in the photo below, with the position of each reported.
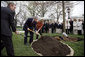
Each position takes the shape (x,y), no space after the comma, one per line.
(75,26)
(67,26)
(79,25)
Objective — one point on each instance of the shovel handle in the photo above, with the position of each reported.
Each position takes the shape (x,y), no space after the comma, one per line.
(30,30)
(33,31)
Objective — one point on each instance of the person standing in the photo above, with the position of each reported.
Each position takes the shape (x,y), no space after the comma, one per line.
(83,26)
(62,27)
(75,26)
(43,28)
(7,23)
(55,26)
(29,24)
(79,24)
(71,26)
(46,27)
(67,27)
(52,28)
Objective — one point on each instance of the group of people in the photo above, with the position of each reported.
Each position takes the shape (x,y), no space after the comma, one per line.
(32,24)
(53,26)
(71,26)
(8,25)
(74,26)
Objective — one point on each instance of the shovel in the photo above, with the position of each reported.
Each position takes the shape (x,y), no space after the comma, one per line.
(34,32)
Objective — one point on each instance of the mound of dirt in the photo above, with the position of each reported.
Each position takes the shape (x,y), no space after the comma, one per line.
(74,39)
(71,39)
(48,46)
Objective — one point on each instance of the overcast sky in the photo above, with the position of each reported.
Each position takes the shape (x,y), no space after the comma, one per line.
(78,10)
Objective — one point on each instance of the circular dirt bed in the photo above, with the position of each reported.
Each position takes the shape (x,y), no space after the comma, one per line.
(47,46)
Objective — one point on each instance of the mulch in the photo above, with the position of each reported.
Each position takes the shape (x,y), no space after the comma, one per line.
(71,39)
(48,46)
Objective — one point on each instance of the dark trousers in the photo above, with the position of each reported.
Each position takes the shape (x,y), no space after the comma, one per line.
(31,37)
(79,32)
(71,29)
(42,30)
(67,31)
(38,35)
(6,41)
(46,30)
(52,30)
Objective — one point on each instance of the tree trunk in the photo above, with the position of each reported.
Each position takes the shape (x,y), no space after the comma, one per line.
(15,20)
(42,10)
(63,16)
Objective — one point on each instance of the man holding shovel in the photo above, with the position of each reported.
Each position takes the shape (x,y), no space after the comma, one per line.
(28,27)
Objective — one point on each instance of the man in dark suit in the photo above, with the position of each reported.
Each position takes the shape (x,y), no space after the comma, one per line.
(55,26)
(46,27)
(52,27)
(7,24)
(62,27)
(71,26)
(29,24)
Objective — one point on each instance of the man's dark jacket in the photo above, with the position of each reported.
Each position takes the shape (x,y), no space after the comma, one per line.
(71,24)
(7,21)
(29,24)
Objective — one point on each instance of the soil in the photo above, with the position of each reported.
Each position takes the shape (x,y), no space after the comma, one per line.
(71,39)
(48,46)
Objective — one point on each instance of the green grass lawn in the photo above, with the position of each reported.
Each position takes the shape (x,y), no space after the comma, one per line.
(21,50)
